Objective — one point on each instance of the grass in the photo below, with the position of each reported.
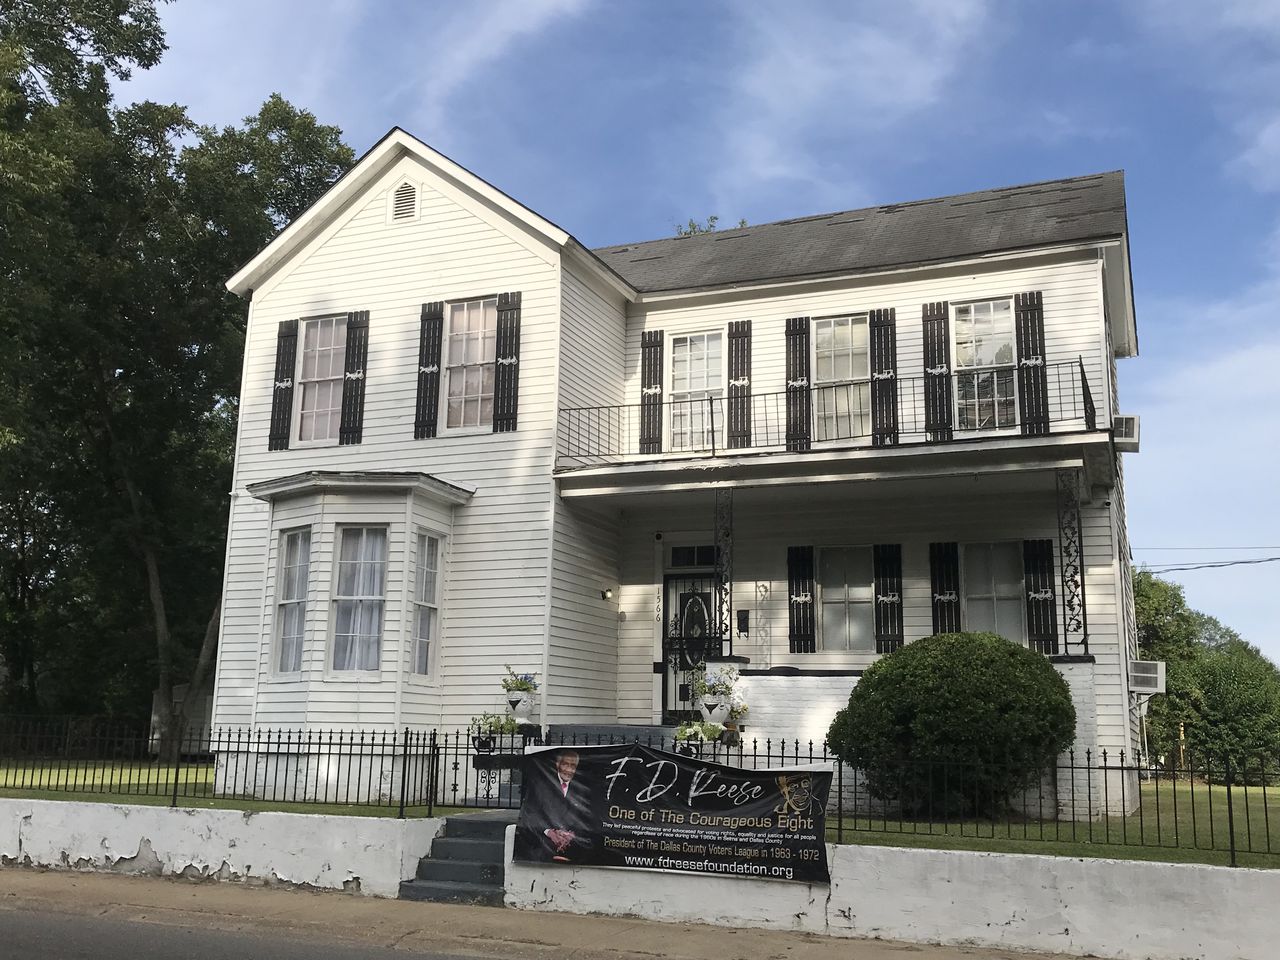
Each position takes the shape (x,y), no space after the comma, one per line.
(151,784)
(1186,823)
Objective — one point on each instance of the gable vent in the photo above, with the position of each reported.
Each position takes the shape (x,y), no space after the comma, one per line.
(404,202)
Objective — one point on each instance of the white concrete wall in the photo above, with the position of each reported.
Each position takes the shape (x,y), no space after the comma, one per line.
(1106,908)
(366,855)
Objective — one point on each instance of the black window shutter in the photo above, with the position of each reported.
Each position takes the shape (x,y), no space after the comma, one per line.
(1033,381)
(282,390)
(937,370)
(506,380)
(1042,611)
(430,336)
(799,402)
(651,391)
(881,329)
(944,577)
(801,601)
(739,383)
(351,430)
(886,562)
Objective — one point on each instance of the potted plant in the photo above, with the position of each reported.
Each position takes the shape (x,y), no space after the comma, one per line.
(520,688)
(692,735)
(716,697)
(487,727)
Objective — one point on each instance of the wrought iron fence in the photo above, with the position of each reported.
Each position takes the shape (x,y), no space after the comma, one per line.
(980,403)
(1102,803)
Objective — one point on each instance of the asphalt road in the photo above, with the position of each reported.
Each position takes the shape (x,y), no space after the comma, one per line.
(44,936)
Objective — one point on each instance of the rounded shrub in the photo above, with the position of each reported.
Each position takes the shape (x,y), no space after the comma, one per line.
(954,724)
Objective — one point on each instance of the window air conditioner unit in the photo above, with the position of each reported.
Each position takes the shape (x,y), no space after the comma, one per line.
(1124,429)
(1146,677)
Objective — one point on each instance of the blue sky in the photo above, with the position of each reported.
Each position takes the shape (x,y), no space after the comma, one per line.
(618,120)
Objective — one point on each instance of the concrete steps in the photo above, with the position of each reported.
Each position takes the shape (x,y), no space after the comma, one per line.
(466,862)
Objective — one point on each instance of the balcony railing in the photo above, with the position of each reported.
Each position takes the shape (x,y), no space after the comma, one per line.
(981,405)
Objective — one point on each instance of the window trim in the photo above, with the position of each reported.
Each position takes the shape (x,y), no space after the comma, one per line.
(818,620)
(277,638)
(330,671)
(962,548)
(954,345)
(432,676)
(443,428)
(669,373)
(295,423)
(864,316)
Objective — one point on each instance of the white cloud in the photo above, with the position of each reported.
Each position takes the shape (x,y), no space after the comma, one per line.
(796,69)
(464,45)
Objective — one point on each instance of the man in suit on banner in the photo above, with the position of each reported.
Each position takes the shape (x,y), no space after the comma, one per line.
(556,812)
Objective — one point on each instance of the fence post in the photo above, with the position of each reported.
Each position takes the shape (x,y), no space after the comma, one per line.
(177,766)
(431,775)
(404,770)
(1231,814)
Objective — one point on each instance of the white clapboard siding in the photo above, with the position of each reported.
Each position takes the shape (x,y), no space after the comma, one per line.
(1073,316)
(493,608)
(764,530)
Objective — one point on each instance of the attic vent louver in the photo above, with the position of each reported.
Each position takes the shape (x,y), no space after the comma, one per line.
(404,202)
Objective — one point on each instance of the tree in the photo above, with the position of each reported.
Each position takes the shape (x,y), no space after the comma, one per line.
(693,227)
(1223,695)
(954,724)
(119,377)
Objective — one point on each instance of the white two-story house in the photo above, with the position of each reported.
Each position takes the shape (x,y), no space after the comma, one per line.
(466,441)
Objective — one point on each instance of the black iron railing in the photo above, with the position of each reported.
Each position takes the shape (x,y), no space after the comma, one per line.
(981,404)
(1222,809)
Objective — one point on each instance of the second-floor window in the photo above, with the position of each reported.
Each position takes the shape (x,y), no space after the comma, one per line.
(359,598)
(473,344)
(985,365)
(291,607)
(320,374)
(847,595)
(993,599)
(697,382)
(842,378)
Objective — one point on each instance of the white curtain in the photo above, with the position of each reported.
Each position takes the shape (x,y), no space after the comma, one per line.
(362,573)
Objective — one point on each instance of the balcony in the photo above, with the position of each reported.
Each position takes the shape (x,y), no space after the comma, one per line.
(888,413)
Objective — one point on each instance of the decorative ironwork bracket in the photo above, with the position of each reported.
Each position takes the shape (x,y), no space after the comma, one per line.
(1075,620)
(724,564)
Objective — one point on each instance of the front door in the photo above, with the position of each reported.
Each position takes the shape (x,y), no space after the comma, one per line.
(691,634)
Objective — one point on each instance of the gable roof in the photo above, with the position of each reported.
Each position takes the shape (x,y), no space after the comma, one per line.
(376,160)
(1049,213)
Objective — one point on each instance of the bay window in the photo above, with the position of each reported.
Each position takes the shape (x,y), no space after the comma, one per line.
(359,598)
(291,606)
(426,607)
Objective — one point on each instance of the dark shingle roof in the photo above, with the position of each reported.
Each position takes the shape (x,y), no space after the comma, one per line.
(900,234)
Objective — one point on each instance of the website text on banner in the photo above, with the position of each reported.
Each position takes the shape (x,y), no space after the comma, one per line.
(628,805)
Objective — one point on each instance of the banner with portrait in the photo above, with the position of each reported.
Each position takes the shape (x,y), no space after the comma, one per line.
(631,806)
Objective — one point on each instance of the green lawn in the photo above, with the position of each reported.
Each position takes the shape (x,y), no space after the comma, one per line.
(151,784)
(1183,824)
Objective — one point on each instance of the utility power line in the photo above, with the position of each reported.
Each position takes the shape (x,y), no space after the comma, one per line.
(1165,568)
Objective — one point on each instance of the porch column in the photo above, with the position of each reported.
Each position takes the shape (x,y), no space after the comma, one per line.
(724,566)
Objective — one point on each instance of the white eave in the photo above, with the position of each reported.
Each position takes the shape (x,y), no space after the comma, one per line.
(396,144)
(337,481)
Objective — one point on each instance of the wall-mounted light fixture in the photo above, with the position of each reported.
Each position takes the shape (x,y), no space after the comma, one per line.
(606,593)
